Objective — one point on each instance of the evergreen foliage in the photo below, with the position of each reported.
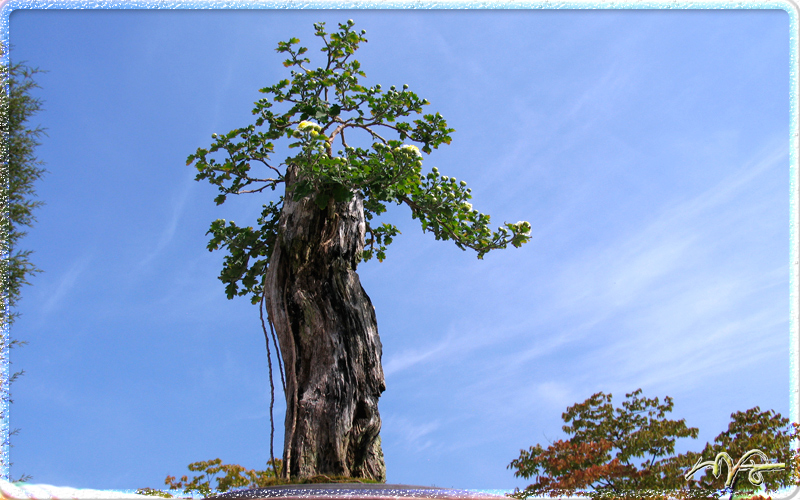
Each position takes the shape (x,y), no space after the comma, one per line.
(20,170)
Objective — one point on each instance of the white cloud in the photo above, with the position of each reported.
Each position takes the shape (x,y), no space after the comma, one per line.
(672,304)
(681,238)
(168,231)
(610,86)
(66,284)
(412,434)
(413,357)
(679,299)
(460,341)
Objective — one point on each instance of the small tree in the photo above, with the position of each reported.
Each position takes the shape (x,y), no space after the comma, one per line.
(235,477)
(355,154)
(20,170)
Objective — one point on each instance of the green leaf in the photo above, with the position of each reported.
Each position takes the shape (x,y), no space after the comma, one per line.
(322,200)
(341,193)
(332,96)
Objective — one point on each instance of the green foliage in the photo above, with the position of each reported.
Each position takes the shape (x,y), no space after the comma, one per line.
(752,429)
(605,445)
(319,107)
(599,458)
(245,243)
(236,477)
(153,493)
(20,170)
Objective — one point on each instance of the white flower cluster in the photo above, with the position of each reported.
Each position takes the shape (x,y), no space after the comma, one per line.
(310,128)
(412,148)
(306,125)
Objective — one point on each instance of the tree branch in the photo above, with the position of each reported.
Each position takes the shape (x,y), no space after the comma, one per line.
(246,191)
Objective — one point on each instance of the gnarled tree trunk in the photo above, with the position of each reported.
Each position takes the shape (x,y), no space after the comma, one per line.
(329,341)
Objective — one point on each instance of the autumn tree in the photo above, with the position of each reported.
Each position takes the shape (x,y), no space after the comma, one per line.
(20,170)
(356,151)
(611,452)
(629,452)
(235,477)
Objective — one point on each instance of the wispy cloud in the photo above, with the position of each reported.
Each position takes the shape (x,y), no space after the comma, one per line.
(415,435)
(412,357)
(597,100)
(675,303)
(168,231)
(459,342)
(678,238)
(65,284)
(679,289)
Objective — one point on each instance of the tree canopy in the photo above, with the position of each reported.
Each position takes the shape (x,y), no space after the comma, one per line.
(628,452)
(605,444)
(752,429)
(351,140)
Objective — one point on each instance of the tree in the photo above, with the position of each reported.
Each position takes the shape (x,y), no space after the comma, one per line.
(21,169)
(598,459)
(300,262)
(236,476)
(751,430)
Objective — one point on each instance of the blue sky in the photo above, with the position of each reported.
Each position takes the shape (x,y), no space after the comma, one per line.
(649,150)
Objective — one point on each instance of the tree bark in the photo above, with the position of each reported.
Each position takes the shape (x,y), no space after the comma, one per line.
(328,335)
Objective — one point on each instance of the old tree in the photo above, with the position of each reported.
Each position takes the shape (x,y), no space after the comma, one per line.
(354,155)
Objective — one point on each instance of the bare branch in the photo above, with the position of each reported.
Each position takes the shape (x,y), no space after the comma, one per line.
(246,191)
(269,166)
(372,132)
(371,239)
(269,180)
(336,132)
